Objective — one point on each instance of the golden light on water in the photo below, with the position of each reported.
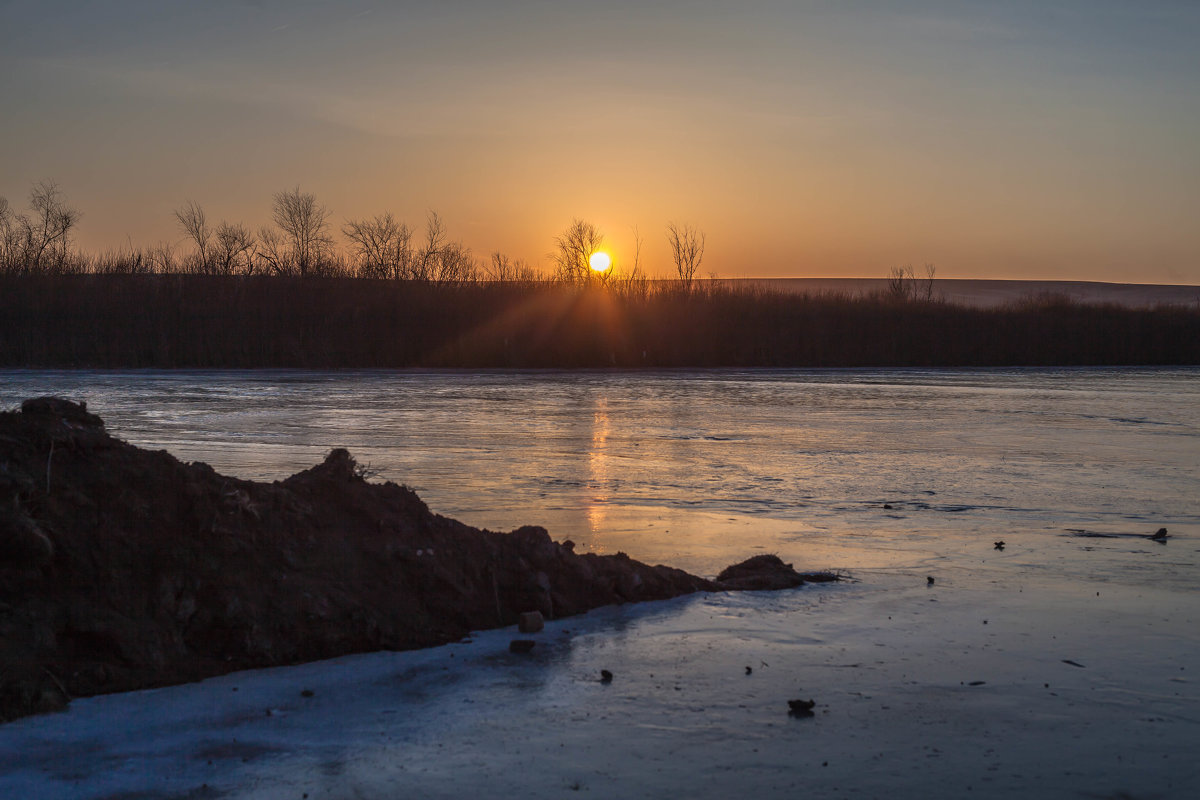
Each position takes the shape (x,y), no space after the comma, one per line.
(600,261)
(598,465)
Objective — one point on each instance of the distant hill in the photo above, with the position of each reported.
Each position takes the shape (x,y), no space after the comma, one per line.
(984,293)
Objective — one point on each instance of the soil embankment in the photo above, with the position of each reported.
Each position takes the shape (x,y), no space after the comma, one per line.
(122,568)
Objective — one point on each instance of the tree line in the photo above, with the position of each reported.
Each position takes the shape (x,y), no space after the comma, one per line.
(259,321)
(393,296)
(300,242)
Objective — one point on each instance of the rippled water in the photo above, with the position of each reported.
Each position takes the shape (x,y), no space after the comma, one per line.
(698,467)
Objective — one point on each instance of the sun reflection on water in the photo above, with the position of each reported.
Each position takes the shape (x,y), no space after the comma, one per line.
(598,457)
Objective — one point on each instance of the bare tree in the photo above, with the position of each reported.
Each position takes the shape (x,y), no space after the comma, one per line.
(574,249)
(634,283)
(927,282)
(454,265)
(226,250)
(425,265)
(8,238)
(162,258)
(305,227)
(192,220)
(41,240)
(382,247)
(270,254)
(904,284)
(53,220)
(500,268)
(898,286)
(687,251)
(637,250)
(505,269)
(233,249)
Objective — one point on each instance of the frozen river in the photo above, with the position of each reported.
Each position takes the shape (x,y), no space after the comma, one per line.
(962,688)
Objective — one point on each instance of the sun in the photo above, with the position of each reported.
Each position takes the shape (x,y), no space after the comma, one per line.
(600,261)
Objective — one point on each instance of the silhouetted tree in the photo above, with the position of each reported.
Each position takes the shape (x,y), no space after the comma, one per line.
(192,220)
(904,284)
(8,237)
(227,250)
(574,249)
(438,260)
(382,247)
(633,282)
(425,265)
(305,247)
(927,282)
(898,286)
(233,249)
(162,258)
(687,251)
(505,269)
(270,255)
(454,264)
(40,241)
(50,226)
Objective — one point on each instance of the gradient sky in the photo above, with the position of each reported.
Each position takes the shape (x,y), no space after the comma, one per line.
(1045,139)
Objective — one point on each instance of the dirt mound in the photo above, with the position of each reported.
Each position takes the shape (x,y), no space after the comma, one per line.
(122,568)
(766,572)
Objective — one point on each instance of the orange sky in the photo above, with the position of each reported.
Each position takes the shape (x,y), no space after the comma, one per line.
(1041,140)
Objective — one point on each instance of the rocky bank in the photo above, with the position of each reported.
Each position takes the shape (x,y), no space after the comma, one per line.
(122,568)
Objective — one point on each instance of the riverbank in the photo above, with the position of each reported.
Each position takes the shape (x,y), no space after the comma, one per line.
(181,321)
(960,689)
(122,568)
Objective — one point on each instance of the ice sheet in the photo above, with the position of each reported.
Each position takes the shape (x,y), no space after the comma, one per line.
(959,689)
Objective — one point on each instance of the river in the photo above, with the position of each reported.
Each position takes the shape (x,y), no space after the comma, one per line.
(890,476)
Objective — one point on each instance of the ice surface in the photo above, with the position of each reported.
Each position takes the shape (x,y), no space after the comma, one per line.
(894,666)
(959,689)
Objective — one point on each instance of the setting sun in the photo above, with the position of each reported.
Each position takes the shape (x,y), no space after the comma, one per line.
(600,262)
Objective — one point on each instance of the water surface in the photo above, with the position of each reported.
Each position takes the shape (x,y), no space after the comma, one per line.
(1060,666)
(697,467)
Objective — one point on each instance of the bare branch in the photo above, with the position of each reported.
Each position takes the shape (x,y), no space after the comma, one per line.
(927,283)
(193,222)
(425,265)
(687,250)
(381,246)
(455,265)
(305,226)
(234,247)
(44,238)
(898,286)
(575,247)
(270,255)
